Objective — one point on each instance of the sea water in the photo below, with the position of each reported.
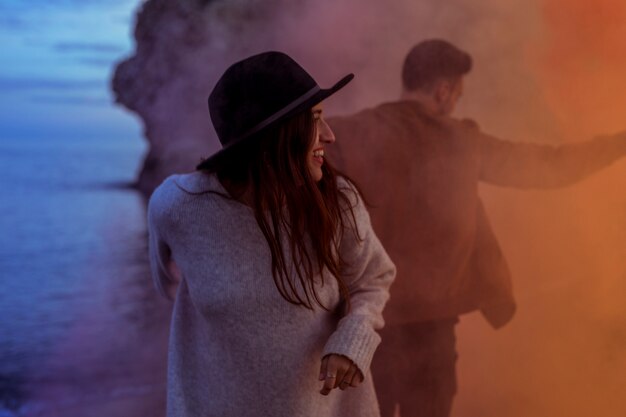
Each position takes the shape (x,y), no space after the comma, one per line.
(82,330)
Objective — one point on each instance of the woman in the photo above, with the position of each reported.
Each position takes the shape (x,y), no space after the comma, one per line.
(283,280)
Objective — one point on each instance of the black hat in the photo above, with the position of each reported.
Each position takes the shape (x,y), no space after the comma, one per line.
(258,92)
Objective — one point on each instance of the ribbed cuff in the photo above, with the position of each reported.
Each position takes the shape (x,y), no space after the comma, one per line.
(356,339)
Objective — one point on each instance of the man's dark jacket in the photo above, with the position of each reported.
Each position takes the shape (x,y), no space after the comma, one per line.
(420,172)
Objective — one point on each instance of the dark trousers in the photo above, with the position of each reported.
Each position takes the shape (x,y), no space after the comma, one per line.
(415,366)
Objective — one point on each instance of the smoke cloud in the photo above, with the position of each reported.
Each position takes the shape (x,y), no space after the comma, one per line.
(547,71)
(565,352)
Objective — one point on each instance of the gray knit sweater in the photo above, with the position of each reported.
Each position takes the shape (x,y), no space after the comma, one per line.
(237,348)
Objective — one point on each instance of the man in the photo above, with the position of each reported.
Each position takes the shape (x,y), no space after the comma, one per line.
(420,170)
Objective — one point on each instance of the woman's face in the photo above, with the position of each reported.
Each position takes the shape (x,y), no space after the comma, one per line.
(322,136)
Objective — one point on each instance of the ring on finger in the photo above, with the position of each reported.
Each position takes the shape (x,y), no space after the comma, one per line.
(330,376)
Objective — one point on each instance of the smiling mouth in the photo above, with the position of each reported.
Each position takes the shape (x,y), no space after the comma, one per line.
(318,156)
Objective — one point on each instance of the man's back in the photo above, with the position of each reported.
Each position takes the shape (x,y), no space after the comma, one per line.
(420,172)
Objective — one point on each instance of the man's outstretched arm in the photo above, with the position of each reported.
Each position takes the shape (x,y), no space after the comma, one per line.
(527,165)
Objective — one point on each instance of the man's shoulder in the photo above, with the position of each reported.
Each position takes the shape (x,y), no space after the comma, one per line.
(387,113)
(416,112)
(469,124)
(381,108)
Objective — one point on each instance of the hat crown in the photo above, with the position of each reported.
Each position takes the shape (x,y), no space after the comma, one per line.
(252,90)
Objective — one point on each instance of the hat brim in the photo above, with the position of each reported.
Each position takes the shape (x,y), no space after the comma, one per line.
(317,98)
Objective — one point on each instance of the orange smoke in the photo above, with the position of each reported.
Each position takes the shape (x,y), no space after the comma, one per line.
(581,67)
(581,64)
(564,354)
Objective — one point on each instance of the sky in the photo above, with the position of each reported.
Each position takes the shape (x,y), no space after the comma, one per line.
(56,64)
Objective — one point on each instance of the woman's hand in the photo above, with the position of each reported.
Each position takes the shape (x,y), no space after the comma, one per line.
(339,371)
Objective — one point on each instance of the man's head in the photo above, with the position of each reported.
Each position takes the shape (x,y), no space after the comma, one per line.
(433,72)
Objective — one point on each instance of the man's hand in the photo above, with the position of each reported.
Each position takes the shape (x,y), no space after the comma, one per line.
(338,371)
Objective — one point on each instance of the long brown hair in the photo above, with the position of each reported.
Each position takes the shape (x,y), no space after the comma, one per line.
(293,211)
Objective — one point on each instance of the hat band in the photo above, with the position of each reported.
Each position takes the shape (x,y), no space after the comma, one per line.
(280,113)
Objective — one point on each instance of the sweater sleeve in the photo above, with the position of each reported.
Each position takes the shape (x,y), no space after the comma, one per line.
(158,248)
(528,165)
(368,273)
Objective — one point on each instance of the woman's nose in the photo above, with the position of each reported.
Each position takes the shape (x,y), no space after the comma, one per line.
(326,133)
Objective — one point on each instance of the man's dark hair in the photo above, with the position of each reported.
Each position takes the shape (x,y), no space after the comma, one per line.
(431,60)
